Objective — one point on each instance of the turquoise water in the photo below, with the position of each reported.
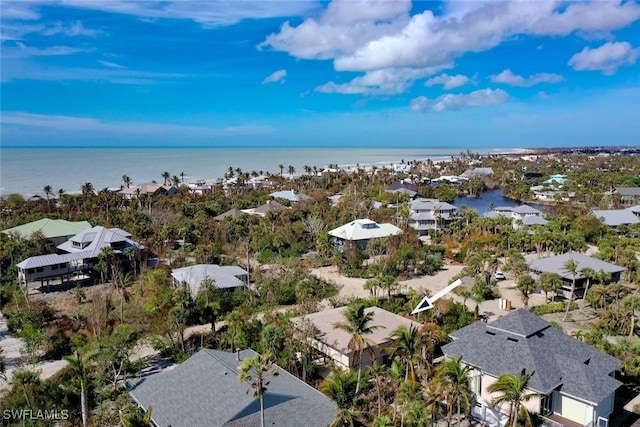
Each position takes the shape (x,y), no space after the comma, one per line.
(29,170)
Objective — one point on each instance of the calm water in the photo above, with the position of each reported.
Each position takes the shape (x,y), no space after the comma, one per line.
(495,197)
(29,170)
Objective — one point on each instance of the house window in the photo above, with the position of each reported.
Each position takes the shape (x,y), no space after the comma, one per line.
(77,244)
(54,267)
(546,404)
(39,269)
(31,271)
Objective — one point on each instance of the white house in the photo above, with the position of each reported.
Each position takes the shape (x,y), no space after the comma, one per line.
(431,214)
(576,382)
(361,231)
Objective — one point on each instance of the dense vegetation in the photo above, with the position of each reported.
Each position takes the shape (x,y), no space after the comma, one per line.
(99,329)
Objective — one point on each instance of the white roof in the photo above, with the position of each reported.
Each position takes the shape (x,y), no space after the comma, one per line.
(364,229)
(98,237)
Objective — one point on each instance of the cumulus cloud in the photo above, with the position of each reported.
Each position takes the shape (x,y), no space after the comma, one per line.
(507,77)
(447,81)
(389,81)
(478,98)
(397,39)
(606,58)
(275,77)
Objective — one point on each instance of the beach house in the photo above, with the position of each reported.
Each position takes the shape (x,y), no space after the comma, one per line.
(361,231)
(614,218)
(575,382)
(333,342)
(221,277)
(57,231)
(78,254)
(628,195)
(523,215)
(431,214)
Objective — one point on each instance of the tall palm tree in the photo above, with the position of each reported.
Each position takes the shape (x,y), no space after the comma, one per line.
(632,304)
(78,365)
(358,324)
(589,274)
(255,371)
(408,346)
(571,265)
(457,385)
(47,192)
(281,167)
(166,176)
(126,180)
(513,390)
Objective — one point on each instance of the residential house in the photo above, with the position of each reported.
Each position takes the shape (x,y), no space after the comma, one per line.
(56,231)
(149,189)
(289,195)
(222,277)
(614,218)
(410,190)
(361,231)
(80,253)
(557,179)
(628,195)
(333,342)
(557,264)
(575,381)
(263,210)
(523,215)
(203,186)
(477,173)
(431,214)
(231,213)
(205,391)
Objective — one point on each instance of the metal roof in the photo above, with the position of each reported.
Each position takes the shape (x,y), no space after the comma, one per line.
(556,264)
(364,229)
(616,217)
(222,276)
(50,228)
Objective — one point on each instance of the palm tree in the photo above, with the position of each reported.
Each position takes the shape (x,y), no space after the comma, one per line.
(281,167)
(457,385)
(166,176)
(632,304)
(526,285)
(377,374)
(550,282)
(47,192)
(342,388)
(87,189)
(126,180)
(571,265)
(408,346)
(182,177)
(513,389)
(255,371)
(358,325)
(291,170)
(78,365)
(589,274)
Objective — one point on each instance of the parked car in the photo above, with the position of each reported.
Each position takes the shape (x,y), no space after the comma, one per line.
(499,275)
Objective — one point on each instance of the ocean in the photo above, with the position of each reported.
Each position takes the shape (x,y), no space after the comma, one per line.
(27,170)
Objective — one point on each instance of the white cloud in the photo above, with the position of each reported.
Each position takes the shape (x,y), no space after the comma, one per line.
(447,81)
(507,77)
(23,51)
(112,65)
(87,124)
(275,77)
(389,81)
(606,58)
(73,30)
(426,39)
(211,13)
(478,98)
(21,10)
(419,104)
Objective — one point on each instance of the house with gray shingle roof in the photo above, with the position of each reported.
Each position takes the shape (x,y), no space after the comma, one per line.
(223,277)
(556,264)
(205,391)
(575,381)
(628,195)
(616,217)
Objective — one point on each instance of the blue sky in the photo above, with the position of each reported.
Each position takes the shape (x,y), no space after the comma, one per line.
(482,73)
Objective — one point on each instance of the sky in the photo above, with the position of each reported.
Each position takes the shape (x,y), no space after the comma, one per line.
(393,73)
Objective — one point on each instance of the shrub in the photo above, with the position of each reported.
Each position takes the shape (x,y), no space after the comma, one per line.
(554,307)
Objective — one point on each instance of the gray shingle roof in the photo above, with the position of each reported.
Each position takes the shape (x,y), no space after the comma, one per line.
(555,264)
(205,391)
(628,191)
(616,217)
(522,340)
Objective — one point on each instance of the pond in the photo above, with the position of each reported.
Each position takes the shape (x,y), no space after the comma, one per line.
(495,197)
